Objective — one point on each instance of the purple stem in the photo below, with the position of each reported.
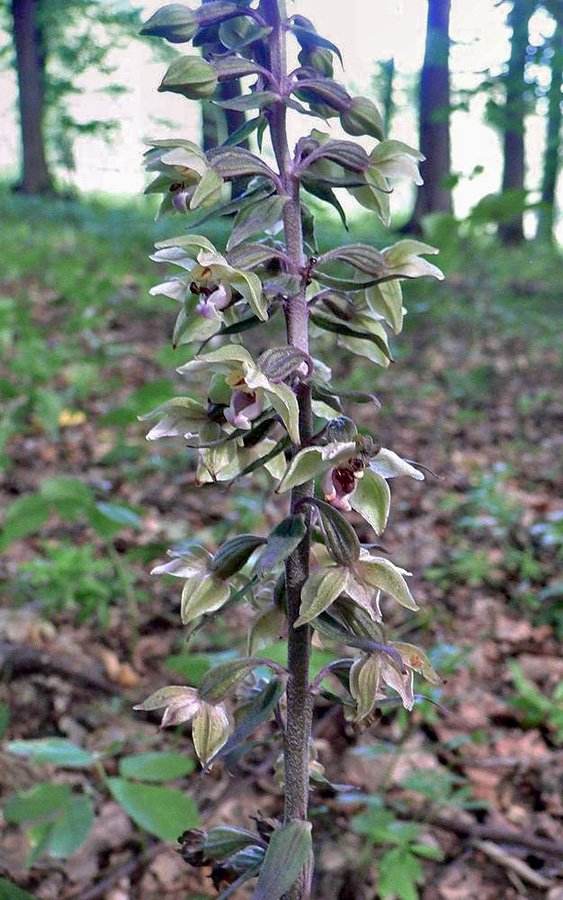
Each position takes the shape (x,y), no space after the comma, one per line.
(299,699)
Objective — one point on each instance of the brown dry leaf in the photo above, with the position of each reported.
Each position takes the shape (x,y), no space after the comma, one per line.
(120,673)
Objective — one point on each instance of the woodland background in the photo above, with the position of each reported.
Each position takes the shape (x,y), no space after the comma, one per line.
(88,506)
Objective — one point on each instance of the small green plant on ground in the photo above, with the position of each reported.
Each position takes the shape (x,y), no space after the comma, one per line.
(276,412)
(535,707)
(57,820)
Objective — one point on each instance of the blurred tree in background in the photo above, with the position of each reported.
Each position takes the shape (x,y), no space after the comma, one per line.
(513,115)
(552,152)
(434,116)
(54,43)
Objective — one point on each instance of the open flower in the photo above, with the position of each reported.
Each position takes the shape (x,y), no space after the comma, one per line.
(363,582)
(353,476)
(184,176)
(210,723)
(394,668)
(251,390)
(391,161)
(210,287)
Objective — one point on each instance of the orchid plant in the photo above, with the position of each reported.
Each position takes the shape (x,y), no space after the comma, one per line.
(278,411)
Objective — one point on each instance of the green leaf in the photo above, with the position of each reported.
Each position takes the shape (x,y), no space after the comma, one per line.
(361,256)
(266,629)
(255,100)
(228,67)
(326,194)
(218,682)
(121,515)
(157,766)
(344,330)
(4,718)
(399,872)
(254,714)
(244,132)
(248,256)
(234,554)
(208,190)
(372,499)
(10,891)
(26,515)
(308,37)
(289,850)
(39,802)
(234,162)
(256,219)
(319,592)
(57,751)
(282,541)
(202,595)
(161,811)
(72,827)
(192,666)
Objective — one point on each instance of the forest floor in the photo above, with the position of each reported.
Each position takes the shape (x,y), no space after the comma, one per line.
(464,797)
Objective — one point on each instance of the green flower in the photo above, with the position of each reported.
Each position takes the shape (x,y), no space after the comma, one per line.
(183,176)
(209,291)
(362,581)
(210,723)
(251,390)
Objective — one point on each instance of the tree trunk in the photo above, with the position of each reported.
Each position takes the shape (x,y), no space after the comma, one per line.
(552,147)
(387,104)
(434,116)
(513,171)
(30,63)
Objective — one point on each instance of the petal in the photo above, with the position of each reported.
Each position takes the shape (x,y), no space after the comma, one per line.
(389,465)
(165,696)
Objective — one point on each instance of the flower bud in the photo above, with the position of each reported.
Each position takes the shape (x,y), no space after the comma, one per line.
(317,58)
(341,429)
(232,556)
(362,117)
(190,76)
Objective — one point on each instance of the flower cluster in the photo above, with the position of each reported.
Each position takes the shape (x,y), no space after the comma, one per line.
(268,405)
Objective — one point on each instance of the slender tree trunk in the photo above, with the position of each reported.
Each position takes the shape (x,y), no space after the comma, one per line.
(553,138)
(434,116)
(387,105)
(299,698)
(30,63)
(513,171)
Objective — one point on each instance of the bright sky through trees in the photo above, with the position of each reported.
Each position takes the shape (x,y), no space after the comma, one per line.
(371,30)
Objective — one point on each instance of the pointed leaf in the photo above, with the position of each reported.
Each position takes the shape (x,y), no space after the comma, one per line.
(157,766)
(255,714)
(218,682)
(254,100)
(161,811)
(233,162)
(281,543)
(256,219)
(288,853)
(312,461)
